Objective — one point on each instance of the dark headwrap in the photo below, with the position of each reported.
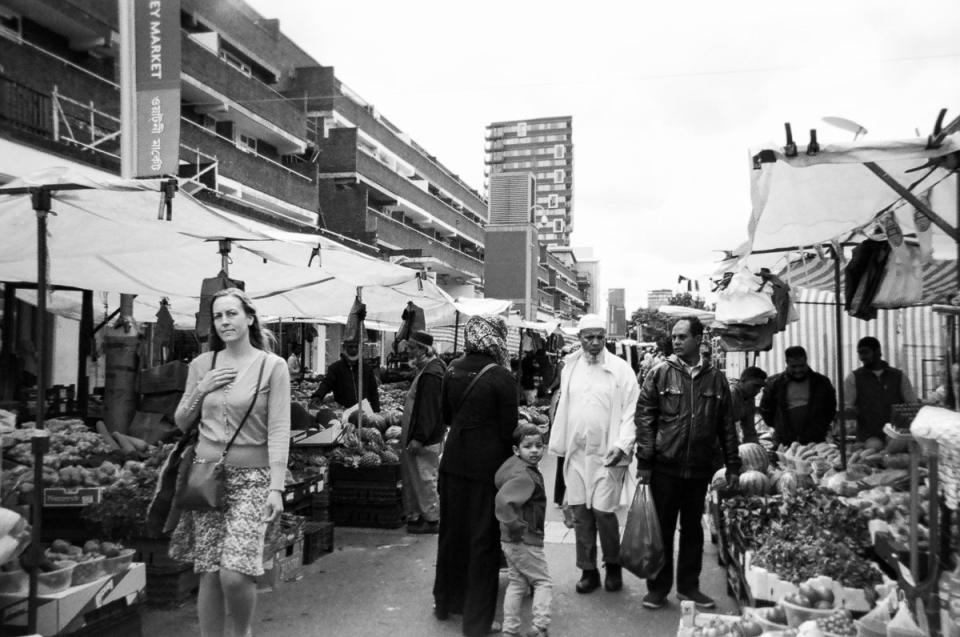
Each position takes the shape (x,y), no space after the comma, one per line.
(486,334)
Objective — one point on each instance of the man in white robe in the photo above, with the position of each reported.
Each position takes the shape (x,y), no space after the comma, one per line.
(593,433)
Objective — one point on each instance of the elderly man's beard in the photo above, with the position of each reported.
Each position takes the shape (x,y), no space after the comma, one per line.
(593,359)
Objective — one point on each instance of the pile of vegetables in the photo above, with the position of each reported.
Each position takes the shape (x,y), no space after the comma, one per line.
(803,536)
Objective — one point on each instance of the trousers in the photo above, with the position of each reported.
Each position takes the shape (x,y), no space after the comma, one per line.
(676,497)
(587,524)
(527,566)
(419,474)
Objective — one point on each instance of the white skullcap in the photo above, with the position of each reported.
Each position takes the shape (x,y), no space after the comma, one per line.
(592,322)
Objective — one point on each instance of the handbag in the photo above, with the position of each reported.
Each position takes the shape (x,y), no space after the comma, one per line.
(201,484)
(162,512)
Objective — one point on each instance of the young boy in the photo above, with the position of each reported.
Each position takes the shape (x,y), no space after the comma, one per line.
(521,506)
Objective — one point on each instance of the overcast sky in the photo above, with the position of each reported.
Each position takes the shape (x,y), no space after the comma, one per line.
(666,97)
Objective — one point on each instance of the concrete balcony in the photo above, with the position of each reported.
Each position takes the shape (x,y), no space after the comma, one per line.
(295,186)
(395,185)
(202,64)
(435,253)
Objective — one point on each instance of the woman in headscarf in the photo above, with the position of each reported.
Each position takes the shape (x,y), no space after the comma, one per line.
(479,402)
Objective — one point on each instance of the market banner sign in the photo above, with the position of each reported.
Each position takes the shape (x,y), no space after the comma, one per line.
(156,42)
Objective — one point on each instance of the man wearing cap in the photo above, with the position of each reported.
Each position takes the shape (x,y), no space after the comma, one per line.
(342,378)
(593,433)
(421,437)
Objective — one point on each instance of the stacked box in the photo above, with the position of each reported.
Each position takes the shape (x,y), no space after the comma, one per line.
(317,540)
(366,496)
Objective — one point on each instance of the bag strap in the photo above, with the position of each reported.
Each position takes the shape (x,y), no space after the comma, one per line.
(253,402)
(473,382)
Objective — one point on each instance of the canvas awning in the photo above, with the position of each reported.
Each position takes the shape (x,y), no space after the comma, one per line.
(812,199)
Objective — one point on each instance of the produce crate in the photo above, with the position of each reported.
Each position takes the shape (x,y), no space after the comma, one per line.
(285,565)
(370,517)
(113,620)
(317,540)
(299,492)
(384,473)
(365,494)
(171,587)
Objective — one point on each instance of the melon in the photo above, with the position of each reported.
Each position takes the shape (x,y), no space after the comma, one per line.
(389,457)
(372,436)
(326,416)
(393,432)
(788,483)
(754,483)
(753,457)
(719,479)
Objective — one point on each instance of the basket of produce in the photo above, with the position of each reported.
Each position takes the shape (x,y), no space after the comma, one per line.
(799,609)
(14,582)
(56,580)
(89,568)
(117,560)
(771,618)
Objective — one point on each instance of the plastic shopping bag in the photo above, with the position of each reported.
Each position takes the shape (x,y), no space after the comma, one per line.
(641,548)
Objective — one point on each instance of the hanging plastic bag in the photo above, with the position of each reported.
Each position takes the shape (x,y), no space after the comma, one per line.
(902,283)
(903,625)
(745,299)
(641,548)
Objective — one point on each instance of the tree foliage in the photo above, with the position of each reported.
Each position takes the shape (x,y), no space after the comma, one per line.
(655,326)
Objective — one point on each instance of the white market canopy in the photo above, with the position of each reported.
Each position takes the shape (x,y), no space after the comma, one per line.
(108,237)
(808,200)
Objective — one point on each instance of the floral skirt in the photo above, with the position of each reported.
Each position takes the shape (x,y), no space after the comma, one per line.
(232,538)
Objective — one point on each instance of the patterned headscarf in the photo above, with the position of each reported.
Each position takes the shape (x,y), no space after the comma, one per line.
(486,334)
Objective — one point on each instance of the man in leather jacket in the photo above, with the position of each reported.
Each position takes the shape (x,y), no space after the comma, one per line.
(682,414)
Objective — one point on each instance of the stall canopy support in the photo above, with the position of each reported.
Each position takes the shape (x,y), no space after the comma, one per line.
(912,199)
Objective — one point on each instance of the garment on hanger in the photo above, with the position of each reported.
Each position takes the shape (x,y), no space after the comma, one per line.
(902,283)
(863,276)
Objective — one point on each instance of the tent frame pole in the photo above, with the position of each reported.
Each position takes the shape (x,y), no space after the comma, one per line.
(838,316)
(913,200)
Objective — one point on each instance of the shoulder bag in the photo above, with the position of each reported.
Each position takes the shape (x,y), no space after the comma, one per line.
(200,485)
(473,381)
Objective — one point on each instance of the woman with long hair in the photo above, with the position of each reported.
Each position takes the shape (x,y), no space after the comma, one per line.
(479,404)
(226,546)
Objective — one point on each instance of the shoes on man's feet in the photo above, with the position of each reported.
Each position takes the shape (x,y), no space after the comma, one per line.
(424,527)
(698,598)
(589,582)
(654,601)
(538,632)
(614,578)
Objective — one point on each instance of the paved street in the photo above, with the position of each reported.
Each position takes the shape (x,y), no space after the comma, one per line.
(378,582)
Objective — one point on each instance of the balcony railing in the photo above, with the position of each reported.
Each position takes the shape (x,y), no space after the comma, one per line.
(394,231)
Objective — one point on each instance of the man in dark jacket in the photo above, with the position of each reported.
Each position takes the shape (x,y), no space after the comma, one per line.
(871,391)
(342,378)
(683,410)
(799,404)
(743,403)
(421,437)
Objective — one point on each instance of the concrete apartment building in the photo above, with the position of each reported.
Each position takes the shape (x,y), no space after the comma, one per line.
(616,313)
(656,298)
(541,281)
(543,147)
(250,143)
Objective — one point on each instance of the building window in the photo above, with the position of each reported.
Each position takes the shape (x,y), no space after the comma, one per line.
(236,63)
(559,151)
(521,129)
(246,143)
(553,201)
(558,225)
(559,176)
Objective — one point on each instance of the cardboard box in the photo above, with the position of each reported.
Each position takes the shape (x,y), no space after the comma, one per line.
(72,497)
(64,612)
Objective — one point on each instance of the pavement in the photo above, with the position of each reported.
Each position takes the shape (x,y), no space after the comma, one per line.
(378,582)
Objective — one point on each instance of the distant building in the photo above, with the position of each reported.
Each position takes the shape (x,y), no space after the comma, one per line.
(616,313)
(544,147)
(656,298)
(588,277)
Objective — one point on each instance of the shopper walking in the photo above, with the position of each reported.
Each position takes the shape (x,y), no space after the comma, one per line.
(422,433)
(521,507)
(226,546)
(593,433)
(683,410)
(871,390)
(479,404)
(799,404)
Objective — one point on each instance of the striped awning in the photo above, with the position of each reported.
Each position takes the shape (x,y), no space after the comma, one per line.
(939,277)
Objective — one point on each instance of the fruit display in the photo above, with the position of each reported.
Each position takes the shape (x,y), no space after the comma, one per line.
(393,395)
(71,443)
(838,623)
(753,457)
(304,464)
(717,627)
(365,447)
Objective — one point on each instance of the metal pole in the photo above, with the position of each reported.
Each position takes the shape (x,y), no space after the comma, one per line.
(456,331)
(41,204)
(86,334)
(838,315)
(360,335)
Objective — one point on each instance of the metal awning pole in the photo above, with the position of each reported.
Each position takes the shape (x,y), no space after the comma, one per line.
(838,315)
(456,331)
(360,339)
(912,199)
